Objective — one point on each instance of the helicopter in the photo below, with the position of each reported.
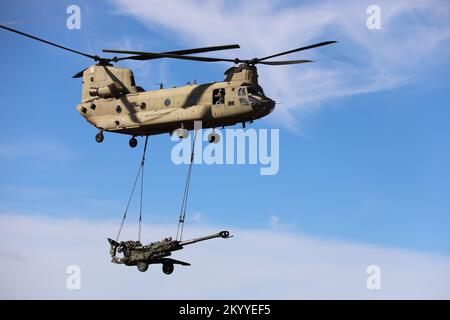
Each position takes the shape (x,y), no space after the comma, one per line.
(112,102)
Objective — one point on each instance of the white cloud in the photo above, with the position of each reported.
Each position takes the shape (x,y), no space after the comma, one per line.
(364,61)
(254,264)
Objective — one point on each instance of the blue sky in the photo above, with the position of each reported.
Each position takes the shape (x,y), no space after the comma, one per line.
(364,148)
(371,167)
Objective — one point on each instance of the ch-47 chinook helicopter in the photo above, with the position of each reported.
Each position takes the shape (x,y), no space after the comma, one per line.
(112,102)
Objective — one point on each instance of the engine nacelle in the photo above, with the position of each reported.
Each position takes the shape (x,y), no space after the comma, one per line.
(112,90)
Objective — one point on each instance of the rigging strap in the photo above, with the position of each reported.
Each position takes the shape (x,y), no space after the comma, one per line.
(140,173)
(186,193)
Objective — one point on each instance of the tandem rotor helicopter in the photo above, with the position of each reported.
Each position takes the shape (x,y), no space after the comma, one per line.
(112,102)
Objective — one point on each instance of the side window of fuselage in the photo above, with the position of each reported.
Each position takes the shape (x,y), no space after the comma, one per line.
(218,96)
(243,101)
(241,92)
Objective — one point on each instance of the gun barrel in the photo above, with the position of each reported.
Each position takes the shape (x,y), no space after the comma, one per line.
(221,234)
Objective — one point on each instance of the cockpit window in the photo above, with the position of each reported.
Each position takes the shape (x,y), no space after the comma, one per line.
(241,91)
(261,91)
(257,91)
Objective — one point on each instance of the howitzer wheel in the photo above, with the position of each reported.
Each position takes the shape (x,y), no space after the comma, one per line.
(142,266)
(224,234)
(167,268)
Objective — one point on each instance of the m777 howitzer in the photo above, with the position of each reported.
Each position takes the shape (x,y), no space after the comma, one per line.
(136,254)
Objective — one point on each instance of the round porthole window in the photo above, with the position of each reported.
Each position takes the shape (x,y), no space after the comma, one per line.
(118,109)
(143,106)
(167,102)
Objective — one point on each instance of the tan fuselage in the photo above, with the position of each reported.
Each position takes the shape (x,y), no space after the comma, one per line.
(138,112)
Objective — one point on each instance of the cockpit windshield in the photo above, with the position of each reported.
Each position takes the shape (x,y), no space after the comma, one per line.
(256,91)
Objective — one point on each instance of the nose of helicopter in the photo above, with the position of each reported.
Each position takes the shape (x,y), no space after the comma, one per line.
(268,105)
(265,107)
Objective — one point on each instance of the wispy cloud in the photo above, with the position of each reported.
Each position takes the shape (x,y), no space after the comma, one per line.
(13,22)
(412,37)
(254,264)
(197,217)
(274,221)
(12,256)
(35,149)
(277,224)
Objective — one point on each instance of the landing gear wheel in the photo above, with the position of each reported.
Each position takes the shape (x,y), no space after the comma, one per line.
(133,142)
(181,133)
(167,268)
(213,137)
(184,133)
(142,266)
(99,137)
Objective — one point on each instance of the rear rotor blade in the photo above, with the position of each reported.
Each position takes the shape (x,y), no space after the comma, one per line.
(79,74)
(282,63)
(298,49)
(186,51)
(48,42)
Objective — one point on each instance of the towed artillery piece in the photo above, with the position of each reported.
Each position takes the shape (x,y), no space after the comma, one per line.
(141,256)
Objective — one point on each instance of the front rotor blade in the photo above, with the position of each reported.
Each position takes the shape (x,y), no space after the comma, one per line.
(48,42)
(298,49)
(282,63)
(152,55)
(186,51)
